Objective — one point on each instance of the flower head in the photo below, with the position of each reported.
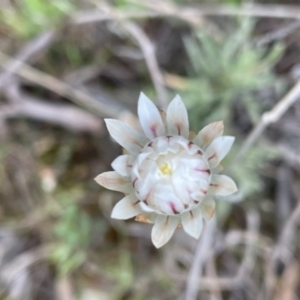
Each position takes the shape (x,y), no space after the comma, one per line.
(169,175)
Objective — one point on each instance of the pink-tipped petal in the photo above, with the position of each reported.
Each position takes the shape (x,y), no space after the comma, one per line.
(127,137)
(163,229)
(205,137)
(208,207)
(123,164)
(218,150)
(177,118)
(113,181)
(222,185)
(126,208)
(150,118)
(192,222)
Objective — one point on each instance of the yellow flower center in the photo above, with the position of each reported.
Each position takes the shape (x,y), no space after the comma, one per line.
(166,169)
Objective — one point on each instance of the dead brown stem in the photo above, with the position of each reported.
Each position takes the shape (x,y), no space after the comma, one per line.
(150,58)
(251,10)
(204,248)
(51,83)
(200,256)
(67,116)
(268,118)
(31,51)
(283,246)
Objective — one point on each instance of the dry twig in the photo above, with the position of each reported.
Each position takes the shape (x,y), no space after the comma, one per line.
(148,50)
(268,118)
(25,260)
(70,117)
(277,34)
(150,58)
(29,52)
(202,251)
(253,224)
(283,193)
(251,10)
(91,16)
(193,14)
(212,272)
(283,249)
(49,82)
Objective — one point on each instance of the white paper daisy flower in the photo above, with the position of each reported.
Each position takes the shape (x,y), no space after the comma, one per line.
(168,174)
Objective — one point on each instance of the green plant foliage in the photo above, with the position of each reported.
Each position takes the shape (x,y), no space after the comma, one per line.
(225,70)
(130,5)
(123,273)
(34,16)
(73,231)
(247,174)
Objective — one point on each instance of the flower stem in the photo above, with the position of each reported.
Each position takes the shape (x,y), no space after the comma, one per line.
(199,259)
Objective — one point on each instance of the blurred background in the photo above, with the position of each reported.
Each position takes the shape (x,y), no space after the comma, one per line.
(65,65)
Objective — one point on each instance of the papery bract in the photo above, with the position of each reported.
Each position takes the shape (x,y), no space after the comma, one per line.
(169,178)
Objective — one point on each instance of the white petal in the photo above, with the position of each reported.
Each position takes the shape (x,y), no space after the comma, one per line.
(163,229)
(177,118)
(150,118)
(126,208)
(145,208)
(122,164)
(222,185)
(183,187)
(205,137)
(166,201)
(192,222)
(208,207)
(127,137)
(218,150)
(113,181)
